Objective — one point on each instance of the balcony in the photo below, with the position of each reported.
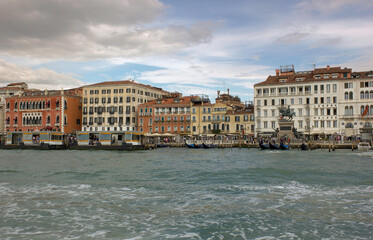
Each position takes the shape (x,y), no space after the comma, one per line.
(308,92)
(283,93)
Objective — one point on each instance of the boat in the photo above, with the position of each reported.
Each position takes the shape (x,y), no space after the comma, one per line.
(304,147)
(364,146)
(190,145)
(284,146)
(263,146)
(194,145)
(163,145)
(274,146)
(207,146)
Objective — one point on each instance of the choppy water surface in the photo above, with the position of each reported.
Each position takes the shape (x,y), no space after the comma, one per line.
(186,194)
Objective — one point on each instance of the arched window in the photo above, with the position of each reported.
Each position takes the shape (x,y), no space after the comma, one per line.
(40,120)
(40,105)
(366,95)
(351,95)
(371,110)
(57,119)
(346,111)
(346,95)
(361,95)
(362,109)
(65,104)
(351,110)
(49,119)
(65,120)
(16,105)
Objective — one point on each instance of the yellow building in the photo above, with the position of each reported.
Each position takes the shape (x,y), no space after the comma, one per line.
(113,106)
(227,116)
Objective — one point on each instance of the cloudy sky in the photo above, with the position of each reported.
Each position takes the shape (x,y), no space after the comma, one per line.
(190,46)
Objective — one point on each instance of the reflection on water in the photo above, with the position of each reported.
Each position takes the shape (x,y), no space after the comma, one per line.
(186,194)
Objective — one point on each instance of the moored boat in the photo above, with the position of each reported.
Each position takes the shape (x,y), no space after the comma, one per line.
(364,146)
(263,146)
(284,146)
(304,147)
(274,146)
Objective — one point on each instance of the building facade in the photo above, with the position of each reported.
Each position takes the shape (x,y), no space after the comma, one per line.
(228,115)
(167,115)
(11,89)
(113,106)
(318,97)
(58,111)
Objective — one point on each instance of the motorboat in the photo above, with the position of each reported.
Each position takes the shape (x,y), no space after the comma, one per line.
(364,146)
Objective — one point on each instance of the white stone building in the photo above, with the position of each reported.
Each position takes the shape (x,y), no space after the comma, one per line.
(319,100)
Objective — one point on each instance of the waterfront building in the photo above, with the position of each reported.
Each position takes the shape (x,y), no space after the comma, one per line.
(169,115)
(53,110)
(11,89)
(325,100)
(227,116)
(356,103)
(113,106)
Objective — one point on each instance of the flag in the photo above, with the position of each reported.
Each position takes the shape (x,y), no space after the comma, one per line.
(365,111)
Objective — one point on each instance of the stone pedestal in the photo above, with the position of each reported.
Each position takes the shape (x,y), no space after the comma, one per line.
(286,128)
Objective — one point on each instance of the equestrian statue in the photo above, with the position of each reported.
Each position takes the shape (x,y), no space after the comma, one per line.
(287,112)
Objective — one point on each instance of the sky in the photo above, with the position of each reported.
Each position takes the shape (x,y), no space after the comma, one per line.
(189,46)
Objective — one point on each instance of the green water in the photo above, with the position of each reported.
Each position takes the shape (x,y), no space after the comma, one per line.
(186,194)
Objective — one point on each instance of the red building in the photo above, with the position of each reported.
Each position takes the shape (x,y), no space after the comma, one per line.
(168,115)
(59,111)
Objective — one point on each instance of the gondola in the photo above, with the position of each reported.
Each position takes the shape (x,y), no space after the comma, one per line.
(284,146)
(304,147)
(207,146)
(194,145)
(274,146)
(190,145)
(263,146)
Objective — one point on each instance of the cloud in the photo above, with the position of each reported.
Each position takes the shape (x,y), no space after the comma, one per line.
(329,6)
(292,38)
(41,78)
(92,29)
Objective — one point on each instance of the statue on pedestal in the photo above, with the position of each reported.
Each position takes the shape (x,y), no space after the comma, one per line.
(287,112)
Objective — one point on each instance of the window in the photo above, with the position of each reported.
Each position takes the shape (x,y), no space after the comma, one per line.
(316,100)
(103,91)
(300,101)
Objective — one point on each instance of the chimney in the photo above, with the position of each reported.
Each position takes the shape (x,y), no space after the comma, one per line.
(228,91)
(328,67)
(218,93)
(277,72)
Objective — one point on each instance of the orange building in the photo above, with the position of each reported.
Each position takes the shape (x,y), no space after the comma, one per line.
(168,115)
(59,111)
